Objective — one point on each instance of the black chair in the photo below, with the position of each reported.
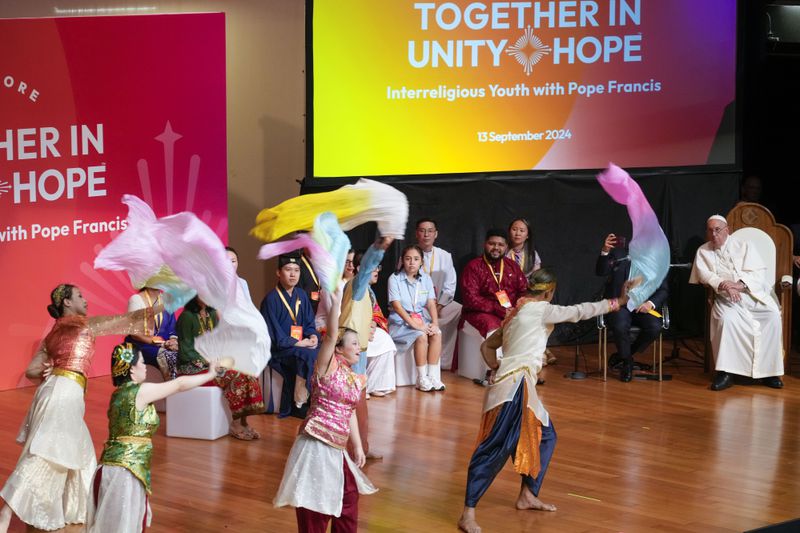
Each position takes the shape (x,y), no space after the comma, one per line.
(658,344)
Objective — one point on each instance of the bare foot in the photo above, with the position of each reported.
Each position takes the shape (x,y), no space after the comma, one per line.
(467,521)
(527,501)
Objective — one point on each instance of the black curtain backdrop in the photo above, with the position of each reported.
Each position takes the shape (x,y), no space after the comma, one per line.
(570,218)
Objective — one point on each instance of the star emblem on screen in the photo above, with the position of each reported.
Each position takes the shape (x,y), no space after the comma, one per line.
(528,50)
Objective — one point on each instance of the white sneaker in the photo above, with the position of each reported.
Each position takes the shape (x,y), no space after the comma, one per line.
(437,385)
(424,383)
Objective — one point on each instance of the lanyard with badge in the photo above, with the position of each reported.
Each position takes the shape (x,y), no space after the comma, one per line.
(314,294)
(414,315)
(501,295)
(159,318)
(296,331)
(430,270)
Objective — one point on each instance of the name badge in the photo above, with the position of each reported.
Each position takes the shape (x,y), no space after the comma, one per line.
(503,298)
(315,296)
(297,332)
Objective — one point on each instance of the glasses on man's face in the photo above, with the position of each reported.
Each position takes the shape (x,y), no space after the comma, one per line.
(717,231)
(348,262)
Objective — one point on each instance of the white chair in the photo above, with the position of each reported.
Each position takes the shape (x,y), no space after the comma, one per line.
(271,387)
(405,370)
(470,360)
(200,413)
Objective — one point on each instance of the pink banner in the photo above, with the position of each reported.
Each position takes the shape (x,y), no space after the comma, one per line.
(91,109)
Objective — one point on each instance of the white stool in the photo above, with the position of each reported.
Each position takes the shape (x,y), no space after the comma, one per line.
(405,370)
(154,375)
(200,413)
(470,360)
(271,387)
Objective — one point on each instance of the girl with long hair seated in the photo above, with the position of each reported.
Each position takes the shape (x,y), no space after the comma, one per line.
(414,317)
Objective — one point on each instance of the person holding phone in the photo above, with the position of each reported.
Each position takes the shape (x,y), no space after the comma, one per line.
(615,264)
(160,349)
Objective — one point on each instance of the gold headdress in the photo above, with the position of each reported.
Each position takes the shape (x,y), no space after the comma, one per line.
(542,286)
(59,294)
(121,359)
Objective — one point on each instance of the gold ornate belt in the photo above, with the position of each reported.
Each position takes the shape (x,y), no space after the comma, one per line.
(134,440)
(513,372)
(77,377)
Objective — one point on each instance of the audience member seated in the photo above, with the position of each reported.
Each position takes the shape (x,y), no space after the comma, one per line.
(413,317)
(745,325)
(490,285)
(233,256)
(520,247)
(349,269)
(438,264)
(615,264)
(295,341)
(160,349)
(242,392)
(356,315)
(309,281)
(524,253)
(381,349)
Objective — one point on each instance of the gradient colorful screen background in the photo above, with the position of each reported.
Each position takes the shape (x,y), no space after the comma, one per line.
(157,85)
(361,51)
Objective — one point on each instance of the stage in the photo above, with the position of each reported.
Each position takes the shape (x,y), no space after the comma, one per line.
(640,456)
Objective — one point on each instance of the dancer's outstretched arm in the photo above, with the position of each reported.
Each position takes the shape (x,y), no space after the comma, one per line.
(152,392)
(329,344)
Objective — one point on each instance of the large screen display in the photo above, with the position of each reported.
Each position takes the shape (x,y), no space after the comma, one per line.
(414,87)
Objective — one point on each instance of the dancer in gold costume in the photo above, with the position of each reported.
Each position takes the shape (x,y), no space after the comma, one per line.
(121,487)
(49,487)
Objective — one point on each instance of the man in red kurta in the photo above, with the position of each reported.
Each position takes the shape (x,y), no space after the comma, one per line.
(490,285)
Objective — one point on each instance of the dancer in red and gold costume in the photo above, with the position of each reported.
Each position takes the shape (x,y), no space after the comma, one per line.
(49,487)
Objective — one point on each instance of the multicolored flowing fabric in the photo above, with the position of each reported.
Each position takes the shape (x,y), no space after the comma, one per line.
(648,248)
(353,205)
(327,247)
(188,257)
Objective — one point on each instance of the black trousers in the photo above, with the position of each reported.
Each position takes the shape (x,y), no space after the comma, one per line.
(620,325)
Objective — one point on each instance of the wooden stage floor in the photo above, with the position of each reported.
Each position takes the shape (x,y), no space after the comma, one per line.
(633,457)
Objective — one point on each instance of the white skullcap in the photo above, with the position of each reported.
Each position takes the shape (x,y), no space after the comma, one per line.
(717,217)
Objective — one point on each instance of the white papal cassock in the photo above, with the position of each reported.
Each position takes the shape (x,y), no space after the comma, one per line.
(745,336)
